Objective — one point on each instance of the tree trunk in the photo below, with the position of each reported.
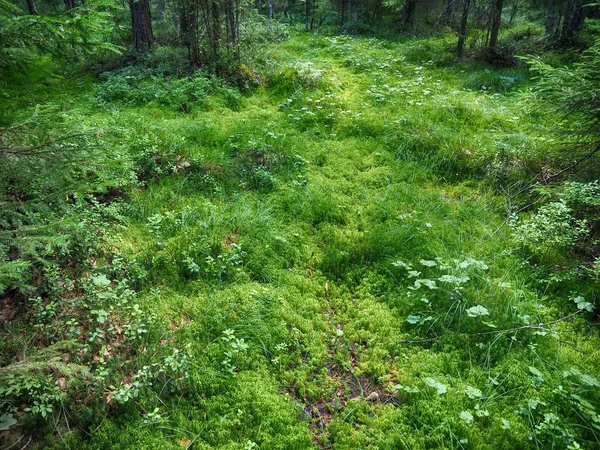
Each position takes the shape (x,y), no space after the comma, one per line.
(378,11)
(70,4)
(513,11)
(188,26)
(32,8)
(408,12)
(462,32)
(215,29)
(232,25)
(348,10)
(141,25)
(449,10)
(270,12)
(550,20)
(307,15)
(161,10)
(496,16)
(574,18)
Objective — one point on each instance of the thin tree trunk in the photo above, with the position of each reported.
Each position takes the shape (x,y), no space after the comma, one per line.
(32,8)
(307,15)
(408,12)
(232,25)
(513,11)
(141,25)
(161,10)
(449,11)
(188,26)
(70,4)
(215,29)
(270,12)
(551,20)
(574,19)
(462,32)
(349,6)
(496,13)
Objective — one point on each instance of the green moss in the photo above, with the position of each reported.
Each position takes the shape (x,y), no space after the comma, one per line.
(277,236)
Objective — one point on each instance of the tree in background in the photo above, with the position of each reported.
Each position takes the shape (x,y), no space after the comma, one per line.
(462,30)
(495,19)
(574,17)
(565,18)
(188,26)
(141,25)
(31,7)
(409,12)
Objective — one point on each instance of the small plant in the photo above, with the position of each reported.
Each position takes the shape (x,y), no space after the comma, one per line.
(235,346)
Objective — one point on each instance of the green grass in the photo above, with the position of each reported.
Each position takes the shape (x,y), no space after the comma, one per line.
(295,224)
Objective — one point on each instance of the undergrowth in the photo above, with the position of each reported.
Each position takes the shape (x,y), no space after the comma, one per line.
(322,260)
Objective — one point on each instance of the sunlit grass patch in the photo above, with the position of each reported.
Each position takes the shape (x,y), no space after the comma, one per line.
(329,253)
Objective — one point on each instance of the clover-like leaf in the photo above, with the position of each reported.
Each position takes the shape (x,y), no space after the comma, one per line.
(428,263)
(477,311)
(473,393)
(467,417)
(439,387)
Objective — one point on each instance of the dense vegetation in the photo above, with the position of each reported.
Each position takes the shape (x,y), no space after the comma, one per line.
(298,225)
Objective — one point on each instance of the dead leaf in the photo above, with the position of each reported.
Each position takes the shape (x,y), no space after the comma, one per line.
(185,442)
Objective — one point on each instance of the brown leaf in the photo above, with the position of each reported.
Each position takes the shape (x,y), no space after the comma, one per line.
(185,442)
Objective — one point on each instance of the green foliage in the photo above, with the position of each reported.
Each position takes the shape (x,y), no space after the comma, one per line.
(302,76)
(568,223)
(574,92)
(490,81)
(24,38)
(317,261)
(43,171)
(552,230)
(138,86)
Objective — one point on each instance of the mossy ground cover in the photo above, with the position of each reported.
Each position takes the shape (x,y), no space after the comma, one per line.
(327,252)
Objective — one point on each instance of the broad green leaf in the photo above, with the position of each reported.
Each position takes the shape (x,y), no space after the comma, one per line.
(428,263)
(473,262)
(467,417)
(425,282)
(535,372)
(473,393)
(452,279)
(402,264)
(583,304)
(430,382)
(477,311)
(101,281)
(589,380)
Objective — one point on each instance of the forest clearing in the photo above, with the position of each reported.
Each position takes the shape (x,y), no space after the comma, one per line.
(328,238)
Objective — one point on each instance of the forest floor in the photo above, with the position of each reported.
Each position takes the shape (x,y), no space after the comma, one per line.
(331,254)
